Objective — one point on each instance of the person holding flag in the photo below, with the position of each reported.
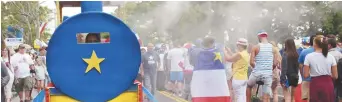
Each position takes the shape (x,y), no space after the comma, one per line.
(240,67)
(209,83)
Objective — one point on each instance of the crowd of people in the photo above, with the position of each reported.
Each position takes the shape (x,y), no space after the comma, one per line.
(165,69)
(199,72)
(23,70)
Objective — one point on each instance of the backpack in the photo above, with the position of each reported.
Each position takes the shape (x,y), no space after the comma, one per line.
(339,71)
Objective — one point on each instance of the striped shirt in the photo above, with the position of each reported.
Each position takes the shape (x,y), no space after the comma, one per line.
(264,59)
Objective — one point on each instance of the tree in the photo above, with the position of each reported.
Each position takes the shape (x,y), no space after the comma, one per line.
(24,14)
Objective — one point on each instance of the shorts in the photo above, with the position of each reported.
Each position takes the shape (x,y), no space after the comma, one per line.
(305,90)
(176,76)
(275,78)
(26,83)
(239,90)
(293,80)
(249,71)
(266,78)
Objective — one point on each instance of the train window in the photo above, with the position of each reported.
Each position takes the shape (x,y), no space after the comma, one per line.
(93,38)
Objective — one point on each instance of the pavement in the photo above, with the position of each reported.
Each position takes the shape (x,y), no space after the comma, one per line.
(161,96)
(17,99)
(164,96)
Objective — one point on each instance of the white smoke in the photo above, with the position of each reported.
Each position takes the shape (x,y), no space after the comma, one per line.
(238,19)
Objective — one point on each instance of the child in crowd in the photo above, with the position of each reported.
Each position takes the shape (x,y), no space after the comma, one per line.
(40,73)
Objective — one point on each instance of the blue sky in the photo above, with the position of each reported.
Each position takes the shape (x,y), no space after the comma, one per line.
(67,11)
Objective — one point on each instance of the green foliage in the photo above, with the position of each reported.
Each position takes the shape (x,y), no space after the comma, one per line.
(105,35)
(46,35)
(24,14)
(333,23)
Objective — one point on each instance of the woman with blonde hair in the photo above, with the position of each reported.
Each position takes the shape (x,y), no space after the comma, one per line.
(240,67)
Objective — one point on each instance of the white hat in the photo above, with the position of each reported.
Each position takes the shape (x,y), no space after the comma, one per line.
(242,41)
(262,32)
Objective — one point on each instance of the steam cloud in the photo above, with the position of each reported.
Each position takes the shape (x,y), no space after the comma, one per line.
(239,19)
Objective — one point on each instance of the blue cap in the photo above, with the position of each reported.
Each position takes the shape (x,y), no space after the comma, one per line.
(305,40)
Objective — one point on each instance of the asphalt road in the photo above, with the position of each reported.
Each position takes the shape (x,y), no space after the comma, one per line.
(161,96)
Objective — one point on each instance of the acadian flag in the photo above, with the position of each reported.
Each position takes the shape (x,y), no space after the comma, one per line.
(209,83)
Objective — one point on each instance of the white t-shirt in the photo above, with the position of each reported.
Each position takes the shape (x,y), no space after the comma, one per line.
(337,54)
(40,70)
(319,65)
(4,59)
(176,56)
(22,62)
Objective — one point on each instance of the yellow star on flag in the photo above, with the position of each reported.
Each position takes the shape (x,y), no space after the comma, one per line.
(93,62)
(218,56)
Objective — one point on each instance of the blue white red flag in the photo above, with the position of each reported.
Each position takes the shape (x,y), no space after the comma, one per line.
(209,82)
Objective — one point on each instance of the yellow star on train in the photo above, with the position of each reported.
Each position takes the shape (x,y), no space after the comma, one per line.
(93,62)
(218,56)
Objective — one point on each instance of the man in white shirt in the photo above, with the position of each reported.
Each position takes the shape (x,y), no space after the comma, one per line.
(176,55)
(22,64)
